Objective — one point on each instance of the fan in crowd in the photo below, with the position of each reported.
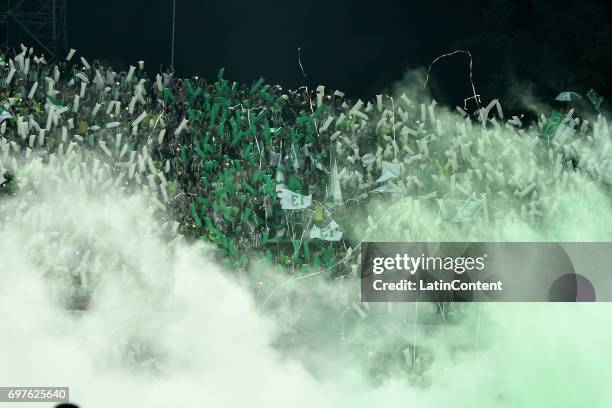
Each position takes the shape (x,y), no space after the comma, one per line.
(294,175)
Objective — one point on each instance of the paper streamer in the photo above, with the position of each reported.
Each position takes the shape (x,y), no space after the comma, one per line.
(33,90)
(152,168)
(130,73)
(102,145)
(50,84)
(328,122)
(162,187)
(109,108)
(500,112)
(181,127)
(340,119)
(139,119)
(132,105)
(160,137)
(82,77)
(10,75)
(70,54)
(50,116)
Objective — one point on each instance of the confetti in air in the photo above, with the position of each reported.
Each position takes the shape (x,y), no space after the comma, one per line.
(300,61)
(476,96)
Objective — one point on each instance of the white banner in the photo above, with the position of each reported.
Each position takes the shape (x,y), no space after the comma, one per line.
(326,234)
(389,171)
(468,211)
(294,201)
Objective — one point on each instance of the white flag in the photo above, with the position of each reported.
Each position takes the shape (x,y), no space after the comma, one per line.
(389,171)
(70,54)
(326,234)
(387,188)
(294,201)
(468,211)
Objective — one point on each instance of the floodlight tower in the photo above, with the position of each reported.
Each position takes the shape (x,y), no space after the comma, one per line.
(39,23)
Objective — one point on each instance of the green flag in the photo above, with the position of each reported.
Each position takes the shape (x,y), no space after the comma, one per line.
(306,250)
(183,155)
(196,218)
(53,101)
(256,85)
(552,124)
(168,95)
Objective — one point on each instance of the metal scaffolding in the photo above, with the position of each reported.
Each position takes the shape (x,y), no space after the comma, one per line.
(38,23)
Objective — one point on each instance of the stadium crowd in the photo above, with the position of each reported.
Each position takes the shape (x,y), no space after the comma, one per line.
(290,174)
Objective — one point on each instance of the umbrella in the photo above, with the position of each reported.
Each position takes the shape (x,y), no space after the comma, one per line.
(568,96)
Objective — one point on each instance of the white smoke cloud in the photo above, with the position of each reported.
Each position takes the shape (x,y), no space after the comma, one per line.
(171,328)
(174,331)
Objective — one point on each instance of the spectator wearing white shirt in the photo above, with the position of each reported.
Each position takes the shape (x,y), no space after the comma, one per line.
(110,76)
(168,75)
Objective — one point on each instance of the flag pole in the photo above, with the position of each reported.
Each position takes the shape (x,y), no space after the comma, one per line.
(173,24)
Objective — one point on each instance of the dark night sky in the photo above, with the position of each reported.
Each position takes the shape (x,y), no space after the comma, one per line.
(361,47)
(344,44)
